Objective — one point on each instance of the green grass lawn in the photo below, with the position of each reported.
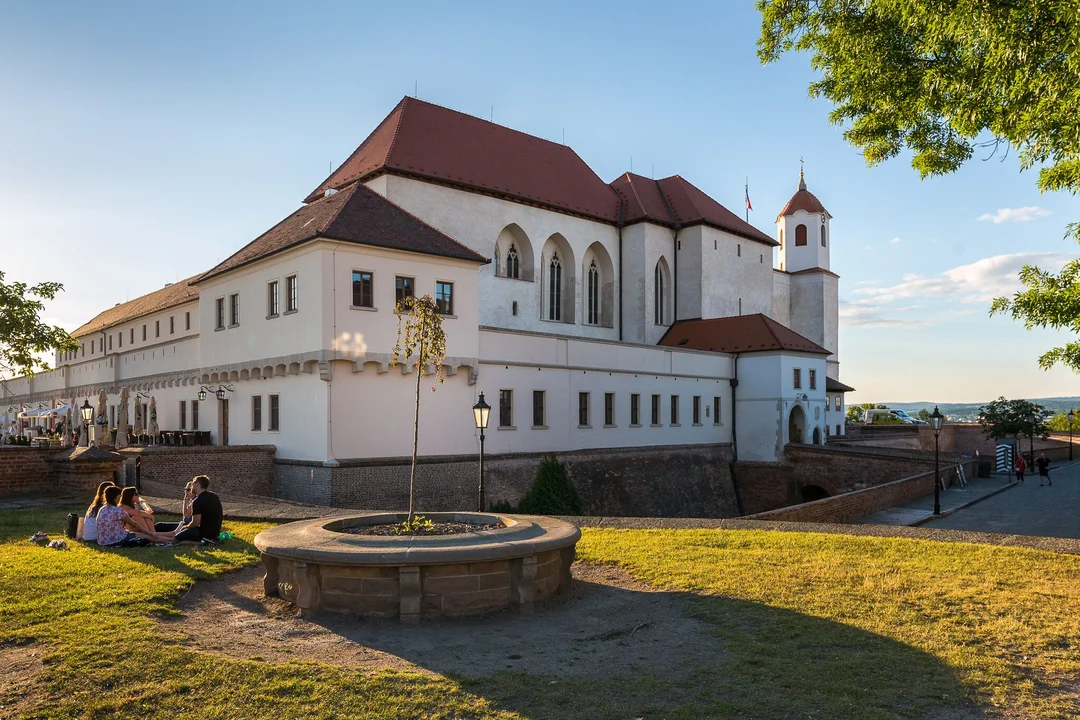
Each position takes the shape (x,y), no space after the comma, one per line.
(813,626)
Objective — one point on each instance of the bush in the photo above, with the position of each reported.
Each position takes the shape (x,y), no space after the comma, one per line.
(552,493)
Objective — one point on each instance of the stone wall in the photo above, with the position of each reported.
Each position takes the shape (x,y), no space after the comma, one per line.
(860,503)
(765,485)
(648,482)
(233,470)
(23,471)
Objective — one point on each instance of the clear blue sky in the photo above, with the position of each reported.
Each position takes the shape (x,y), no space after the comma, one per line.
(141,143)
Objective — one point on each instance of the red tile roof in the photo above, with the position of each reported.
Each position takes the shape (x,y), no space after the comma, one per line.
(837,386)
(745,333)
(428,141)
(356,215)
(803,200)
(172,295)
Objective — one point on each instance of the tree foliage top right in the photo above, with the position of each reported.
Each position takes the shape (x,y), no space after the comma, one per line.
(943,79)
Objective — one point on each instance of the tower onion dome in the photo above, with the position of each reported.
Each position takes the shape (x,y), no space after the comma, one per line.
(803,200)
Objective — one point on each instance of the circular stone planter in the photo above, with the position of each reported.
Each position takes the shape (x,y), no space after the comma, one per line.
(315,565)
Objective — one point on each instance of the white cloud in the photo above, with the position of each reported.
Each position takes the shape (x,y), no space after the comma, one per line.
(868,314)
(1020,214)
(895,241)
(976,282)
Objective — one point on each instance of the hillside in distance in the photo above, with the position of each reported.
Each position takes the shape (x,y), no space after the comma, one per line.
(969,412)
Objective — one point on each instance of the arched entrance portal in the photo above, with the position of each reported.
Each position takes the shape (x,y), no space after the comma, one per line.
(809,493)
(817,436)
(796,425)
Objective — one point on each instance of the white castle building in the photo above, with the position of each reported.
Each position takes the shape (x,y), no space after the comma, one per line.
(631,314)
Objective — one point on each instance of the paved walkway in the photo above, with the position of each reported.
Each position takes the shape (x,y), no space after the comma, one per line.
(251,509)
(952,500)
(1050,511)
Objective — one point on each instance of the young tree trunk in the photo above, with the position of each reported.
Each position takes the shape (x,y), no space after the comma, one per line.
(415,437)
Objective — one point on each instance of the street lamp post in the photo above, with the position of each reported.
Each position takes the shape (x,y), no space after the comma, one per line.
(481,412)
(87,412)
(1072,418)
(936,418)
(1031,438)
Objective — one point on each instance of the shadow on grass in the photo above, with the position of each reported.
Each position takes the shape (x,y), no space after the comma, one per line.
(615,652)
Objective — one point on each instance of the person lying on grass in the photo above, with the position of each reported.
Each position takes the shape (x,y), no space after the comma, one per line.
(115,528)
(89,529)
(206,515)
(142,515)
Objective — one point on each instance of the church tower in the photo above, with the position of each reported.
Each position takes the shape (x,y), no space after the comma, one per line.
(803,232)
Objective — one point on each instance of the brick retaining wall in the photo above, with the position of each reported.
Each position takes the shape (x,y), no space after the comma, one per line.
(859,503)
(657,482)
(233,470)
(23,471)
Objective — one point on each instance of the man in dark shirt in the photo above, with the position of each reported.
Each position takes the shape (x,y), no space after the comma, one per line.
(205,515)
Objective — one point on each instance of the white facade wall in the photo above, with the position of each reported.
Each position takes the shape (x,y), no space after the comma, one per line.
(478,220)
(835,418)
(812,255)
(781,299)
(767,396)
(735,278)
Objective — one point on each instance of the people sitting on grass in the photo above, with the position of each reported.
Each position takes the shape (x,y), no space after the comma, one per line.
(206,515)
(142,515)
(115,528)
(89,529)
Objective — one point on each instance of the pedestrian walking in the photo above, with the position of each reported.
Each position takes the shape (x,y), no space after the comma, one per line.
(1021,466)
(1043,464)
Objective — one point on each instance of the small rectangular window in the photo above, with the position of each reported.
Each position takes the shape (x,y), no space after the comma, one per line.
(403,288)
(292,294)
(131,338)
(798,378)
(144,333)
(813,379)
(92,351)
(194,414)
(272,298)
(716,411)
(274,413)
(583,409)
(506,408)
(120,338)
(363,289)
(110,342)
(739,249)
(635,409)
(697,409)
(674,409)
(83,346)
(172,324)
(234,310)
(538,408)
(187,320)
(219,314)
(157,328)
(444,298)
(256,412)
(655,409)
(837,401)
(609,408)
(183,414)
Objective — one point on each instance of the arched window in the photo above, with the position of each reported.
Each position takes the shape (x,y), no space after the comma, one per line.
(781,238)
(593,300)
(800,235)
(513,265)
(659,294)
(495,257)
(555,288)
(822,231)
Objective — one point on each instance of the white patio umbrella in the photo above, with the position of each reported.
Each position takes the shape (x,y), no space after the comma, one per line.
(102,420)
(140,418)
(153,417)
(122,419)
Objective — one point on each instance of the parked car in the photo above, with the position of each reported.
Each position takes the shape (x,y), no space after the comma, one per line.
(908,418)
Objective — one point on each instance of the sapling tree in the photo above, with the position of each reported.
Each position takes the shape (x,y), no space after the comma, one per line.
(23,336)
(420,340)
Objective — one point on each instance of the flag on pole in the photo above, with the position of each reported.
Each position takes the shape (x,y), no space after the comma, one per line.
(747,190)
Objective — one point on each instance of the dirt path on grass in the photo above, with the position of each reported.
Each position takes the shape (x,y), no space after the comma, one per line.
(20,674)
(610,625)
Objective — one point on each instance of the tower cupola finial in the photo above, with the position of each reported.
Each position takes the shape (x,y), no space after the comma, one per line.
(802,180)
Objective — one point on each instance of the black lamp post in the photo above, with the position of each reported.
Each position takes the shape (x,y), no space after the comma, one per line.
(1031,437)
(87,412)
(481,412)
(1072,417)
(936,418)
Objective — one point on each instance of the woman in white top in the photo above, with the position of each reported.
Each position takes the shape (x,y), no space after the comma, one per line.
(89,529)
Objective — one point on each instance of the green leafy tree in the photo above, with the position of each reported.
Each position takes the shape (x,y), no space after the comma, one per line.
(551,493)
(855,413)
(1014,418)
(422,341)
(944,79)
(923,415)
(23,337)
(1060,423)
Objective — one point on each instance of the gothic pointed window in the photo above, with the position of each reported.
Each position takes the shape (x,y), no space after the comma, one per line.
(513,265)
(555,288)
(658,299)
(593,303)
